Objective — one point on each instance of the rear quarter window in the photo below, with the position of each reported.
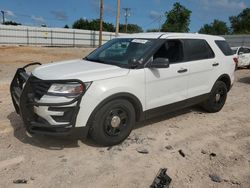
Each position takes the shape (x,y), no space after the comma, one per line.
(224,47)
(197,49)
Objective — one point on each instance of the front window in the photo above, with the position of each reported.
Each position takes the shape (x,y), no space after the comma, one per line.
(121,51)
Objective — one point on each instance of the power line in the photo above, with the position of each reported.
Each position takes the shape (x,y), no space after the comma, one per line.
(158,19)
(127,14)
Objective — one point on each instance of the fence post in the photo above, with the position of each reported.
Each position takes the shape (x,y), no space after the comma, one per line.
(73,38)
(51,36)
(28,36)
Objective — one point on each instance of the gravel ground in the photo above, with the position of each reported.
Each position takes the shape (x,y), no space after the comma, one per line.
(216,146)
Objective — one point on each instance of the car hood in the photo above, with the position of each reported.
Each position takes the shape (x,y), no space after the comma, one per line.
(78,69)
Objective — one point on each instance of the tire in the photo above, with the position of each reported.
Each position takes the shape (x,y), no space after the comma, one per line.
(113,122)
(217,98)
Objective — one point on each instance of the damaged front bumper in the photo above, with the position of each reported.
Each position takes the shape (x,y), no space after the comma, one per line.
(42,112)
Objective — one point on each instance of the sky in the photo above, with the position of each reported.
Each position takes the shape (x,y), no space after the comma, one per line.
(145,13)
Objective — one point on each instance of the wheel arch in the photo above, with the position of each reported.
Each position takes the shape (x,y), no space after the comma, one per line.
(127,96)
(226,79)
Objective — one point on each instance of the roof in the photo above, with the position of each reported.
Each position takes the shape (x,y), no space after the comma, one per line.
(170,35)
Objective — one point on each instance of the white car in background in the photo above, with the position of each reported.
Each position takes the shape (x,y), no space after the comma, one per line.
(243,55)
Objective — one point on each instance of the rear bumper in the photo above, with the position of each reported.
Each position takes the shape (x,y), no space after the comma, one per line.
(41,113)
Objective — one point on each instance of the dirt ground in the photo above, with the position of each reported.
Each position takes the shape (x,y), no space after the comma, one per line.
(214,144)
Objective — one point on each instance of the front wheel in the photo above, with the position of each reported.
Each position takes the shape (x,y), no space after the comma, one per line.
(113,122)
(217,97)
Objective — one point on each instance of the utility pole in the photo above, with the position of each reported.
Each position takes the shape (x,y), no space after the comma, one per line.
(3,16)
(101,22)
(127,14)
(118,17)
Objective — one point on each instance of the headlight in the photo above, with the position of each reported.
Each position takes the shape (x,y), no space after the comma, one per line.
(68,89)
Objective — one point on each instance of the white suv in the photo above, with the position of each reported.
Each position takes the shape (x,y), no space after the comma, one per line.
(128,79)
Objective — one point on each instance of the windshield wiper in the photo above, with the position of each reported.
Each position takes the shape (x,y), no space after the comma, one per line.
(94,60)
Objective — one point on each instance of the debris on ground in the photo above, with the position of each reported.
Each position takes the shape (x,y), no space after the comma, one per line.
(142,150)
(168,147)
(203,151)
(162,180)
(64,160)
(234,182)
(20,181)
(181,153)
(32,178)
(109,148)
(212,155)
(168,134)
(215,178)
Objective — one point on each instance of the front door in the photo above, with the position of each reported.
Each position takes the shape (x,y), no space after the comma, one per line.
(166,86)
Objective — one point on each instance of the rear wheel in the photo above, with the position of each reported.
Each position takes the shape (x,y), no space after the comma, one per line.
(113,122)
(217,98)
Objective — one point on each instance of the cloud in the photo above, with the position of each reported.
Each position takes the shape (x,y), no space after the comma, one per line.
(222,4)
(231,4)
(9,13)
(37,19)
(108,9)
(60,15)
(154,14)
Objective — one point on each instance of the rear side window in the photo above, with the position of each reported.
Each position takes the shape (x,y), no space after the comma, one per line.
(197,49)
(246,50)
(224,47)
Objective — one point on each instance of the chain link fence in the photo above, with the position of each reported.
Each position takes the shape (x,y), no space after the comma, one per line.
(42,36)
(238,40)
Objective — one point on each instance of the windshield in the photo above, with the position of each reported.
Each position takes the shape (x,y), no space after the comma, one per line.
(121,51)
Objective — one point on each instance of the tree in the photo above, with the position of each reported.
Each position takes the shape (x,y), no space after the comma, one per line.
(92,25)
(131,28)
(177,19)
(66,26)
(241,24)
(152,30)
(217,27)
(11,23)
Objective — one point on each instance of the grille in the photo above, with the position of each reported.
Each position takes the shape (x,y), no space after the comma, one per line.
(39,87)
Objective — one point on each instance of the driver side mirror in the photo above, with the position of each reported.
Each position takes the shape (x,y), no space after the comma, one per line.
(241,53)
(159,63)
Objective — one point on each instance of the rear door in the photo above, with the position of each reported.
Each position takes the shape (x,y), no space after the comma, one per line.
(246,56)
(201,64)
(242,60)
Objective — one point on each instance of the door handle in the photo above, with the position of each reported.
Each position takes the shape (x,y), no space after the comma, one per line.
(215,64)
(182,70)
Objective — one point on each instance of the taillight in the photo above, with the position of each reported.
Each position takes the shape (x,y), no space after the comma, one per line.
(235,60)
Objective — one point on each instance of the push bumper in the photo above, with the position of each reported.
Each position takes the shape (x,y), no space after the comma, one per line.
(42,113)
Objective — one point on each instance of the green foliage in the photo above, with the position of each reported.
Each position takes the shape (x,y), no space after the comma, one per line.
(241,24)
(66,26)
(132,28)
(152,30)
(11,23)
(92,25)
(217,27)
(178,19)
